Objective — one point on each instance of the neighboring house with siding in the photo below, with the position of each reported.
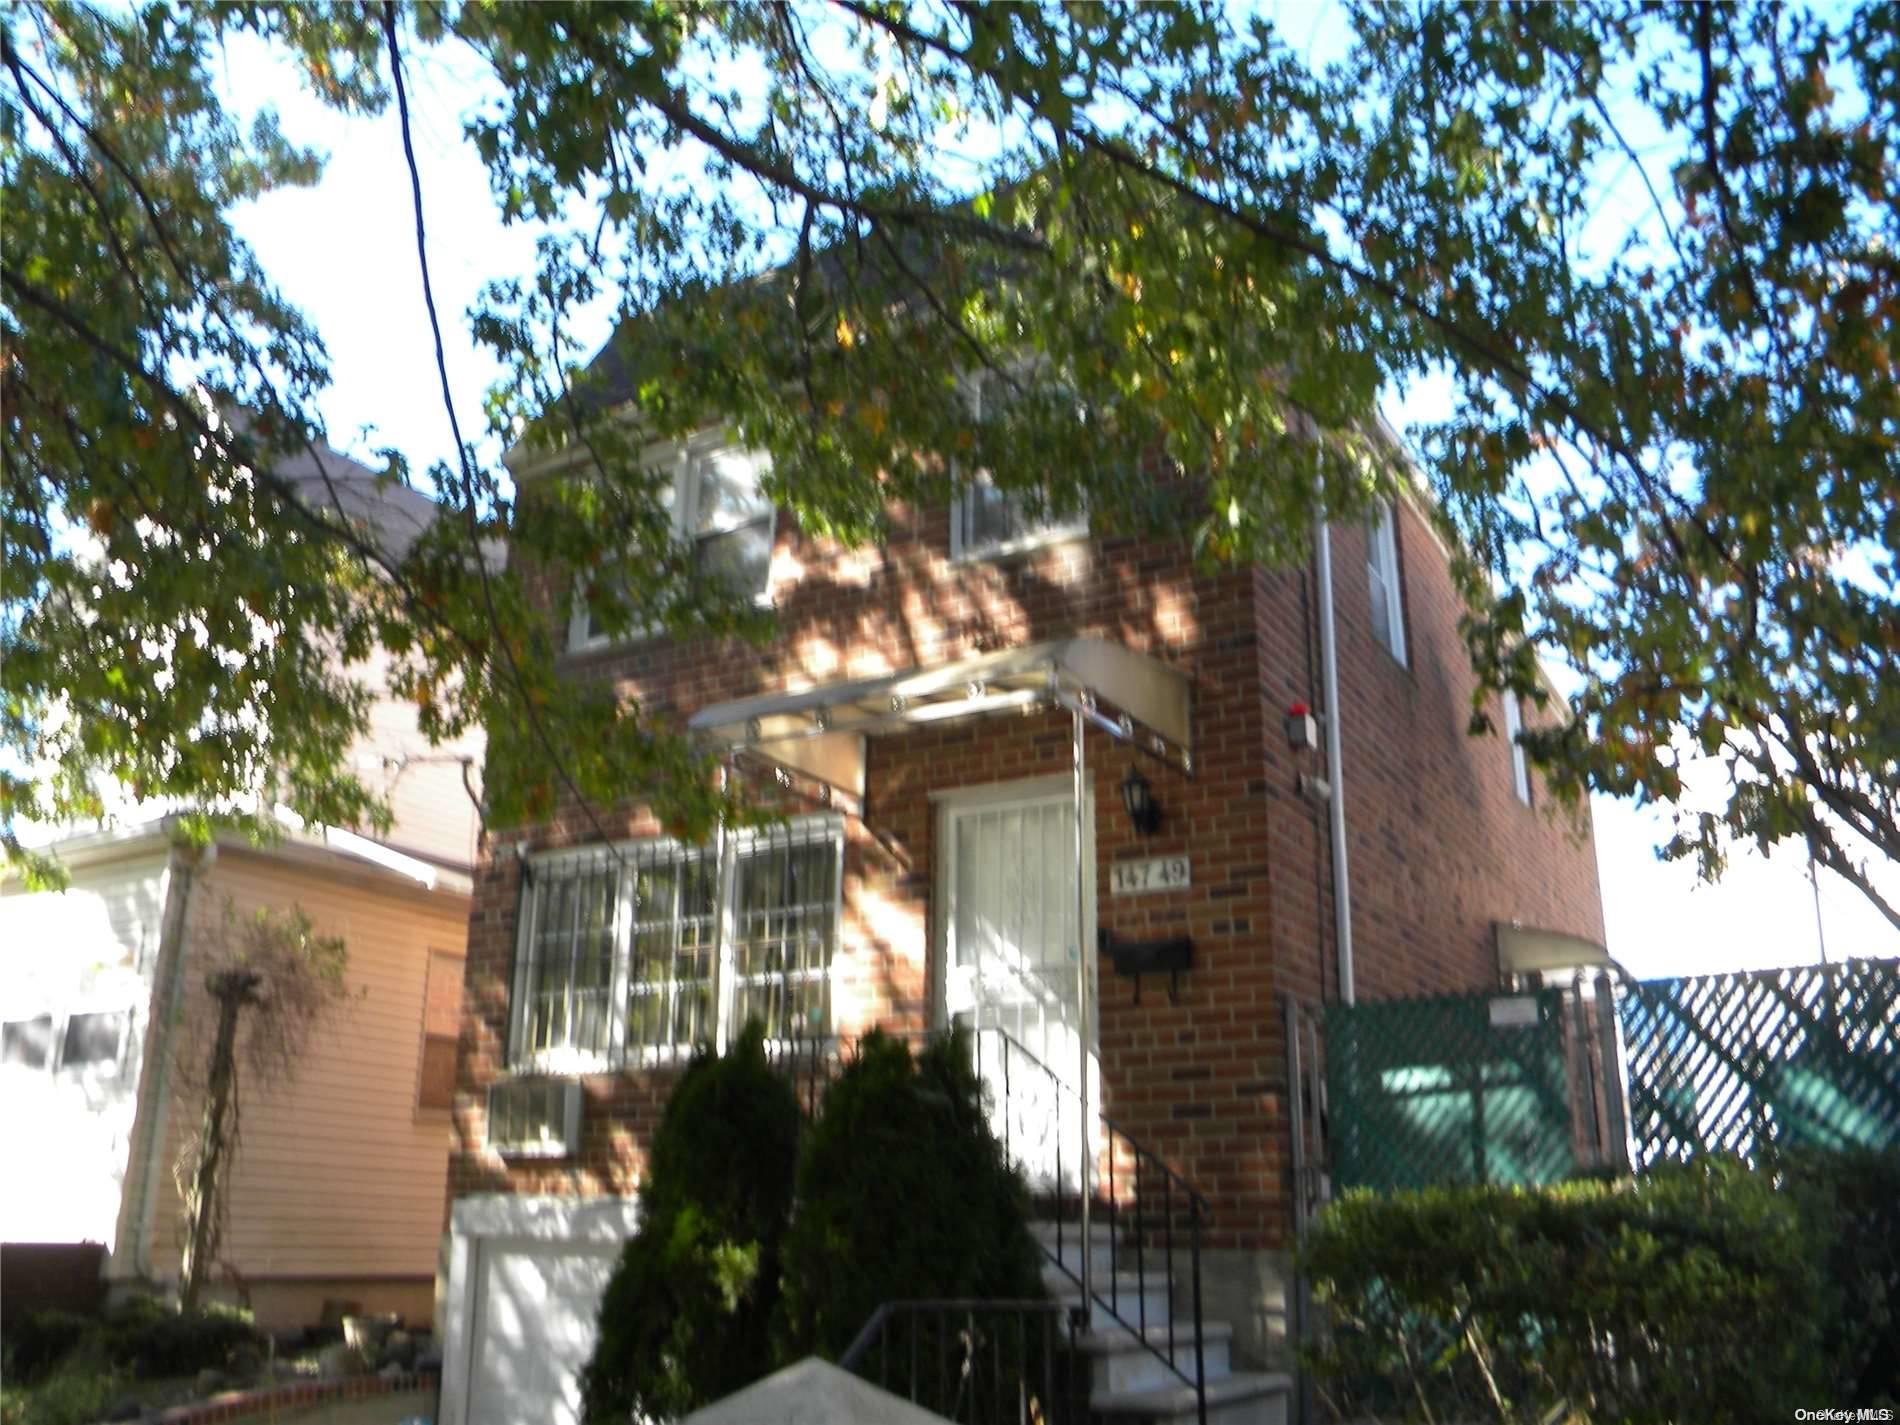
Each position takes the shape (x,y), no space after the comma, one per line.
(336,1192)
(921,713)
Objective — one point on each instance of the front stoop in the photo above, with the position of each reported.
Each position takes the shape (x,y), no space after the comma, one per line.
(1242,1398)
(1129,1382)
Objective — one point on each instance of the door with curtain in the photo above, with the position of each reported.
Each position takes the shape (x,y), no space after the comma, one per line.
(1011,948)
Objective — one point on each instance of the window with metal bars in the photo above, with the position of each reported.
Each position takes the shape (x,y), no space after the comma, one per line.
(688,942)
(784,922)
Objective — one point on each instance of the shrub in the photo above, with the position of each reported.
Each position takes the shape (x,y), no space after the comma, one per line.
(686,1316)
(903,1192)
(40,1340)
(1852,1202)
(1694,1293)
(78,1391)
(152,1338)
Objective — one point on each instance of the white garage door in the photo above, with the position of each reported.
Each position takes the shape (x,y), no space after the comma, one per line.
(534,1329)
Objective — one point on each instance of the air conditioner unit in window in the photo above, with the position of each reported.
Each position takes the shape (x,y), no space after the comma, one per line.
(535,1118)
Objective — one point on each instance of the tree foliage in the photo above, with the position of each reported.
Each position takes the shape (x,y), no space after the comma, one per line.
(1669,447)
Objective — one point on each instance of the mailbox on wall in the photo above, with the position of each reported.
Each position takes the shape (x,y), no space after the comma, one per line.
(1136,958)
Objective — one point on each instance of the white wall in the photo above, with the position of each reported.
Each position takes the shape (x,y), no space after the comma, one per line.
(67,1129)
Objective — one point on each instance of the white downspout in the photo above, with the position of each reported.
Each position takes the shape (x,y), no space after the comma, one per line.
(1335,779)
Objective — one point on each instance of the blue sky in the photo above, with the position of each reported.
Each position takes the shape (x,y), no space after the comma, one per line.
(344,252)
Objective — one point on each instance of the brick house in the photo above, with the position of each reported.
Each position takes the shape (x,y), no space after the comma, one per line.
(919,711)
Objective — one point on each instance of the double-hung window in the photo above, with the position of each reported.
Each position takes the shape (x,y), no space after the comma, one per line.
(1520,761)
(718,509)
(640,952)
(988,523)
(1382,574)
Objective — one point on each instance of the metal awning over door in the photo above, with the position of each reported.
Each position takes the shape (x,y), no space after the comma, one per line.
(820,731)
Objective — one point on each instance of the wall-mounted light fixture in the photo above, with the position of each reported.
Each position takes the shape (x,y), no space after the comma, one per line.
(1138,799)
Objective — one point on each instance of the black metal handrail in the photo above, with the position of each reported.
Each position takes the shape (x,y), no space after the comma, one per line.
(973,1360)
(1149,1167)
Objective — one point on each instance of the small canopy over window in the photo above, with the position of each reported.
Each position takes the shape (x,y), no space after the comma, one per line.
(1523,950)
(820,731)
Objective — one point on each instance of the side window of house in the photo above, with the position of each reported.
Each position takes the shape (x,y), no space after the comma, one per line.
(720,510)
(1520,760)
(28,1042)
(93,1042)
(441,1027)
(986,522)
(622,952)
(1382,572)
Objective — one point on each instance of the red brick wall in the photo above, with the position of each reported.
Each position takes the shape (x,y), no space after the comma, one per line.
(1440,846)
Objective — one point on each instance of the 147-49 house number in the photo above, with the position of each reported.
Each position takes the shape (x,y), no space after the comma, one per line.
(1160,873)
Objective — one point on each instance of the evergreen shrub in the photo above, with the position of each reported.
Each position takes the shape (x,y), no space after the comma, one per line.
(687,1314)
(903,1193)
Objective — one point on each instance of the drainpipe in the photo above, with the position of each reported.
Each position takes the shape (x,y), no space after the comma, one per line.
(172,944)
(1335,780)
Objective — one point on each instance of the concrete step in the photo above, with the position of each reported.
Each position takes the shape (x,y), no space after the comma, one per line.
(1242,1398)
(1133,1298)
(1104,1252)
(1122,1360)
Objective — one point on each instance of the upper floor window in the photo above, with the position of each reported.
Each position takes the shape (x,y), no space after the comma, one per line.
(28,1042)
(985,522)
(1382,573)
(1520,760)
(94,1040)
(648,949)
(719,510)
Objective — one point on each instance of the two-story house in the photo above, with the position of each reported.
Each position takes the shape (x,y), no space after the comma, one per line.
(935,713)
(335,1194)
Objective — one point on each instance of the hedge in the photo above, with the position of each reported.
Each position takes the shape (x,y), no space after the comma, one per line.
(1712,1291)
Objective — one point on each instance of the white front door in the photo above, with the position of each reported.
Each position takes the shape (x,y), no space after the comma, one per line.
(1011,950)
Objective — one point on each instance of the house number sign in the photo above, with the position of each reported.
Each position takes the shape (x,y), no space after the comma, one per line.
(1160,873)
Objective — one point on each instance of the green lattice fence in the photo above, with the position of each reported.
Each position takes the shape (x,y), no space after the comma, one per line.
(1790,1058)
(1425,1092)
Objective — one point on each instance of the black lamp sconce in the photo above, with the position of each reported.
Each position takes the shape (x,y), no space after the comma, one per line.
(1138,799)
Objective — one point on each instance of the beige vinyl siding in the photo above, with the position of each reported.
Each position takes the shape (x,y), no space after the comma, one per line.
(339,1173)
(434,816)
(90,948)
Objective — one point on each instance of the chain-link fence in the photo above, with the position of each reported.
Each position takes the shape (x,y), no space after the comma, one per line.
(1495,1087)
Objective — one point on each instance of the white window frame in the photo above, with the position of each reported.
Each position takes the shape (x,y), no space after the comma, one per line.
(962,549)
(1384,586)
(62,1021)
(689,461)
(1520,760)
(621,859)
